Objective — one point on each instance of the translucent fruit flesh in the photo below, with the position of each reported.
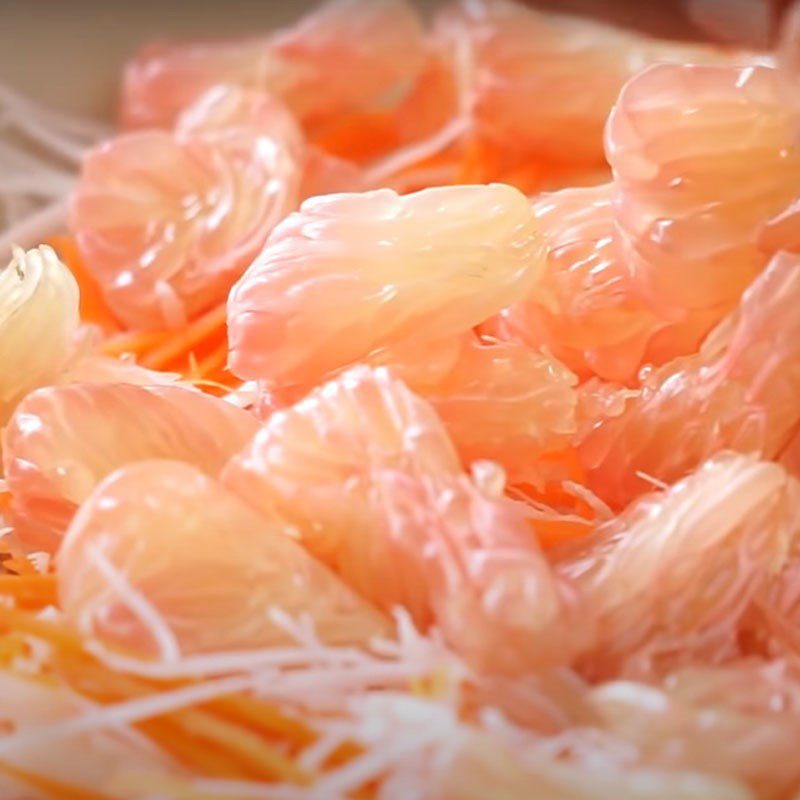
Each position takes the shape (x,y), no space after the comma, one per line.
(307,66)
(514,58)
(167,221)
(586,310)
(367,475)
(63,440)
(738,393)
(672,578)
(38,303)
(352,276)
(209,585)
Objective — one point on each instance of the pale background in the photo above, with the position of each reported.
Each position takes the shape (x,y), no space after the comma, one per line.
(68,53)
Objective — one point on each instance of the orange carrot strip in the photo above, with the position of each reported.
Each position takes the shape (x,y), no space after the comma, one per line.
(54,788)
(550,532)
(12,647)
(213,361)
(30,589)
(93,307)
(261,717)
(12,556)
(25,622)
(478,162)
(252,753)
(249,751)
(133,342)
(205,759)
(90,679)
(255,754)
(185,339)
(359,136)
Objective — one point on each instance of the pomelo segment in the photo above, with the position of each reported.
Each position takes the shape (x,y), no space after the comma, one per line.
(315,463)
(499,401)
(790,455)
(166,77)
(494,596)
(740,392)
(347,54)
(543,84)
(639,271)
(62,441)
(168,221)
(230,116)
(326,174)
(738,720)
(38,320)
(207,586)
(365,472)
(671,579)
(586,310)
(519,769)
(354,275)
(703,157)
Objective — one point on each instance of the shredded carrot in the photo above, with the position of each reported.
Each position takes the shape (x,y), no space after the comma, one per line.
(243,750)
(131,343)
(31,590)
(13,558)
(207,759)
(213,362)
(11,648)
(359,136)
(257,757)
(56,789)
(478,163)
(550,532)
(58,635)
(181,342)
(229,736)
(261,717)
(93,307)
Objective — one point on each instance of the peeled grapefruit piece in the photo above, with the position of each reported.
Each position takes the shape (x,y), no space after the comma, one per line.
(167,221)
(38,319)
(352,276)
(499,400)
(366,474)
(739,392)
(493,594)
(705,167)
(736,719)
(62,441)
(673,577)
(543,84)
(315,462)
(345,55)
(209,585)
(586,309)
(703,157)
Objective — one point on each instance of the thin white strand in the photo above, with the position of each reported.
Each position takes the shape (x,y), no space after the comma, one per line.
(138,604)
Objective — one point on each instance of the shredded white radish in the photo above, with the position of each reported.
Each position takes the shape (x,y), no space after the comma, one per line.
(125,713)
(582,492)
(138,604)
(653,481)
(407,156)
(40,152)
(313,674)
